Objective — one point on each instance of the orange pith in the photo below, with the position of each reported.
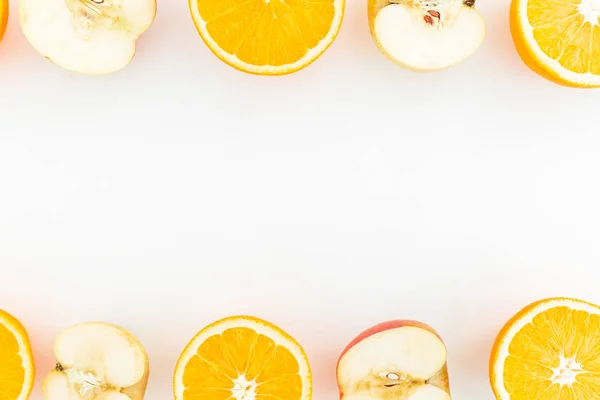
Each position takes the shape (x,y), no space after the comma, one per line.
(239,351)
(549,350)
(16,368)
(558,39)
(268,37)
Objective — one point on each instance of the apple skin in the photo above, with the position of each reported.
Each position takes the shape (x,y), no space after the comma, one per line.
(441,379)
(373,7)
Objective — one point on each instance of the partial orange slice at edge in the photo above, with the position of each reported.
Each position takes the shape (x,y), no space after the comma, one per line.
(242,357)
(17,371)
(559,39)
(3,17)
(548,350)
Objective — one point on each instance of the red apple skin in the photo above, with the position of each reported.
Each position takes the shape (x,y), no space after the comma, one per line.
(441,379)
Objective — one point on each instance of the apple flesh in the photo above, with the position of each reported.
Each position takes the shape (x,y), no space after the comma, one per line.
(92,37)
(426,35)
(97,361)
(399,360)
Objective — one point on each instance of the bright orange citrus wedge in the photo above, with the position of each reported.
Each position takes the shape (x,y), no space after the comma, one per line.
(549,350)
(242,358)
(16,367)
(3,17)
(268,37)
(559,39)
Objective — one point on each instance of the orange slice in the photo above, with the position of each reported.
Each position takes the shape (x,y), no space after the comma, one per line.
(3,17)
(559,39)
(549,350)
(242,358)
(16,367)
(268,37)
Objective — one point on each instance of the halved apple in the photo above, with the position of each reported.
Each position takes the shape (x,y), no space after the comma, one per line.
(93,37)
(97,361)
(398,360)
(426,35)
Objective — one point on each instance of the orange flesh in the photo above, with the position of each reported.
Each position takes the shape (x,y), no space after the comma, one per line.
(12,373)
(563,34)
(222,358)
(536,350)
(274,32)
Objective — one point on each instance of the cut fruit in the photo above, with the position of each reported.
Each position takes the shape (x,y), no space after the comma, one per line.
(548,350)
(92,37)
(242,358)
(97,361)
(268,37)
(3,17)
(397,360)
(17,371)
(426,35)
(559,39)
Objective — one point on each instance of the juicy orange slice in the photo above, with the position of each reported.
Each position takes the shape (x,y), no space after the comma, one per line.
(559,39)
(3,17)
(268,37)
(549,350)
(16,367)
(242,358)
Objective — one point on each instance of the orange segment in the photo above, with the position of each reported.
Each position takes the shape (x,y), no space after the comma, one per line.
(559,39)
(268,37)
(549,350)
(16,369)
(242,358)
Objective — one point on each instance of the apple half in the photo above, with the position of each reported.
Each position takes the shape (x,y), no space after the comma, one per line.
(94,37)
(426,35)
(399,360)
(97,361)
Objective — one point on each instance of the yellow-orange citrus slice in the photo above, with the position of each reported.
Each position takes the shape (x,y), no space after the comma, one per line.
(17,370)
(3,17)
(559,39)
(549,350)
(268,37)
(242,358)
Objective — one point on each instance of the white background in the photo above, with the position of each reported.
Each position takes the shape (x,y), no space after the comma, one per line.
(180,191)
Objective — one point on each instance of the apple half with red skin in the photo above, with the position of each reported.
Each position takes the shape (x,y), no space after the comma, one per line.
(400,360)
(426,35)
